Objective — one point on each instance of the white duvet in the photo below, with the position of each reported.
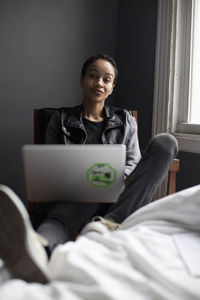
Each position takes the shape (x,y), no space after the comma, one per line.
(155,256)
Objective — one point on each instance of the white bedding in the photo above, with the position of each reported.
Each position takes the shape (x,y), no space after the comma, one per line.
(155,256)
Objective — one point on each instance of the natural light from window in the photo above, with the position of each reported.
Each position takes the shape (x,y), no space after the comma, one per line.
(194,108)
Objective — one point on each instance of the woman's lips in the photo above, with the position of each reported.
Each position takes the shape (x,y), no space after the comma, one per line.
(98,92)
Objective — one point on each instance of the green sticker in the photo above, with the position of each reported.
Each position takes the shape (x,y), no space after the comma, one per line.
(101,175)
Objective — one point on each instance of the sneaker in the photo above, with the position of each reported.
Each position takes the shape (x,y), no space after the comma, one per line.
(100,225)
(20,249)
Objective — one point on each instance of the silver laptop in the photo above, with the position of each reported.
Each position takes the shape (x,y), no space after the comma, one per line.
(81,173)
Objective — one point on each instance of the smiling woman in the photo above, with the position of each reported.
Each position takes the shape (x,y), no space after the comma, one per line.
(93,122)
(97,84)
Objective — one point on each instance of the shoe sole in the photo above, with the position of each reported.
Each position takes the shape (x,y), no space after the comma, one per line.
(14,242)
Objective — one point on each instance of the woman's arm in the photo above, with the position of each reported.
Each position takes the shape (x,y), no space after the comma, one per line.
(133,154)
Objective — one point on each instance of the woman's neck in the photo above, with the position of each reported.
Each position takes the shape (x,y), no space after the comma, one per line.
(94,112)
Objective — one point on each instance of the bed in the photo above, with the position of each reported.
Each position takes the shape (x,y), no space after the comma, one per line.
(156,255)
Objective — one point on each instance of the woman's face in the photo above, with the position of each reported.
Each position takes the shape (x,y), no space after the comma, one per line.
(98,82)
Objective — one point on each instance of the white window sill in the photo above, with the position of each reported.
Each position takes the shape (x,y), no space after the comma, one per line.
(189,128)
(188,142)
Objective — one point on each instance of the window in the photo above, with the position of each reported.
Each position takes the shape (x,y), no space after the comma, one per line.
(177,73)
(194,103)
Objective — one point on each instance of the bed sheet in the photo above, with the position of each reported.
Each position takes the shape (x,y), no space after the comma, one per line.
(156,255)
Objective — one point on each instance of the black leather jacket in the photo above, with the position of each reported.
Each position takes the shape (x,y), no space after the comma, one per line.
(66,127)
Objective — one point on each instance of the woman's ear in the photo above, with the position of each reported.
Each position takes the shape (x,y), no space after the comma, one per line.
(112,88)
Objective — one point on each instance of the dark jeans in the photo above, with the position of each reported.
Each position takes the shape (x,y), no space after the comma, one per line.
(63,220)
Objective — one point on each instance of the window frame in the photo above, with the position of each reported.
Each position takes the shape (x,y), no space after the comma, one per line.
(172,76)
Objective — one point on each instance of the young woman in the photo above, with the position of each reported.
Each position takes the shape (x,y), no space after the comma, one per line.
(95,123)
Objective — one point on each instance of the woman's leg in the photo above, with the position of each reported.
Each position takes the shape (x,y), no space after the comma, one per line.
(146,177)
(64,220)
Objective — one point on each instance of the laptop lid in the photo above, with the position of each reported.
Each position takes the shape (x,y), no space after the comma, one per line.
(81,173)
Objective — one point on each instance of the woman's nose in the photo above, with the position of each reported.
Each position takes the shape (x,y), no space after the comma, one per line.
(99,82)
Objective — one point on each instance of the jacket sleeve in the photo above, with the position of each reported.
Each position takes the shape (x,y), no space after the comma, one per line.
(133,154)
(54,132)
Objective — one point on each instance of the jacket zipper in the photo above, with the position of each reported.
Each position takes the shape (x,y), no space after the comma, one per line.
(103,133)
(86,136)
(67,133)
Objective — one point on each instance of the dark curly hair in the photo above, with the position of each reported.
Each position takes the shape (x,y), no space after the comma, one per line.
(96,57)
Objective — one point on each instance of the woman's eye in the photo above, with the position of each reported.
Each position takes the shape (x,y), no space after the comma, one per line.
(107,80)
(92,75)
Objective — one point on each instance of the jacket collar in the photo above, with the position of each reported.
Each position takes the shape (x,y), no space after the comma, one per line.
(113,119)
(75,117)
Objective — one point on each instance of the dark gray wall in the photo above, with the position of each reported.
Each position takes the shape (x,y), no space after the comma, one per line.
(42,47)
(136,58)
(189,174)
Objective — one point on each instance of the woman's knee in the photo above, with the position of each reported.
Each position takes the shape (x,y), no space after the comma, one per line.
(165,142)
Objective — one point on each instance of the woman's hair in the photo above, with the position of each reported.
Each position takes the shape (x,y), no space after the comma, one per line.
(96,57)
